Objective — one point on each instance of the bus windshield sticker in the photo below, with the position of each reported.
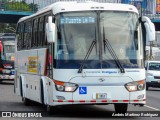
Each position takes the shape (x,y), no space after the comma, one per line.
(110,72)
(77,20)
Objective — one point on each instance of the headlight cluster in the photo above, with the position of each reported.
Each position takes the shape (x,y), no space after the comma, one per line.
(135,86)
(65,86)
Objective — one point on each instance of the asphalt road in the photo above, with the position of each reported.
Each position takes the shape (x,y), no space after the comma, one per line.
(11,102)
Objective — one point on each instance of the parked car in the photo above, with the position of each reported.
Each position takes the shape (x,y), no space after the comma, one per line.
(152,74)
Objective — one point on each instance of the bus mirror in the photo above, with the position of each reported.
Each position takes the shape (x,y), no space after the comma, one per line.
(50,23)
(150,29)
(50,30)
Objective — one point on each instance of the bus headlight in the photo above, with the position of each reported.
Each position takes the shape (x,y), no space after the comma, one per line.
(65,86)
(135,86)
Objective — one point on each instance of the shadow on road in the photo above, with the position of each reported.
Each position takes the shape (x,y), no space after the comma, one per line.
(153,89)
(83,112)
(67,112)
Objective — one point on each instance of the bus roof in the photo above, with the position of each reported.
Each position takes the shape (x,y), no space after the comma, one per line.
(59,7)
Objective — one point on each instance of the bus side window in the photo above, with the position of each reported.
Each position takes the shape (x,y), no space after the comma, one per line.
(41,32)
(35,33)
(45,21)
(27,35)
(20,36)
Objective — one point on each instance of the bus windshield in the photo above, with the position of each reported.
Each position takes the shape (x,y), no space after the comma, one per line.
(154,66)
(9,49)
(77,31)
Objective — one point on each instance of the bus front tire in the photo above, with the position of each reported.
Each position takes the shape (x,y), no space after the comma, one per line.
(26,101)
(147,87)
(51,110)
(121,107)
(42,93)
(21,89)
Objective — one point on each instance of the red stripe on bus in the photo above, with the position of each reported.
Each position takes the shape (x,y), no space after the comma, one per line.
(70,100)
(125,100)
(60,100)
(103,100)
(93,101)
(114,100)
(81,100)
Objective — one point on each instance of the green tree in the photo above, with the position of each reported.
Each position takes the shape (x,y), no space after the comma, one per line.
(4,26)
(34,7)
(21,6)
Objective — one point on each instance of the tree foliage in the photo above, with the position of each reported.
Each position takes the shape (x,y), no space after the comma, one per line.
(15,5)
(19,5)
(4,26)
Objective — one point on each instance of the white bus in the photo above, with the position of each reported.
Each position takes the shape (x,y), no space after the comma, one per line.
(82,53)
(7,50)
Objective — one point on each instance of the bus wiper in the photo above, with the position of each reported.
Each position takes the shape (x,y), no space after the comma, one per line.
(113,54)
(86,56)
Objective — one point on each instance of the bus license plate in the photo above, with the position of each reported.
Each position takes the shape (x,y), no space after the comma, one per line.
(101,95)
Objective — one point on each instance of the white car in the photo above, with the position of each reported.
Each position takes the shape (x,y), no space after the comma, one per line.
(152,74)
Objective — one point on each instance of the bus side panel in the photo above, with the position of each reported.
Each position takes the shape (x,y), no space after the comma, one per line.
(22,61)
(20,68)
(32,76)
(16,79)
(42,54)
(33,87)
(36,69)
(31,64)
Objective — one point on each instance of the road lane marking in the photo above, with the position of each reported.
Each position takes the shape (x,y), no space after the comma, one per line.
(151,107)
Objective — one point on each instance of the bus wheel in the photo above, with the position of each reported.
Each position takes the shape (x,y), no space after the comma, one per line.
(26,101)
(121,107)
(21,91)
(147,87)
(51,110)
(42,93)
